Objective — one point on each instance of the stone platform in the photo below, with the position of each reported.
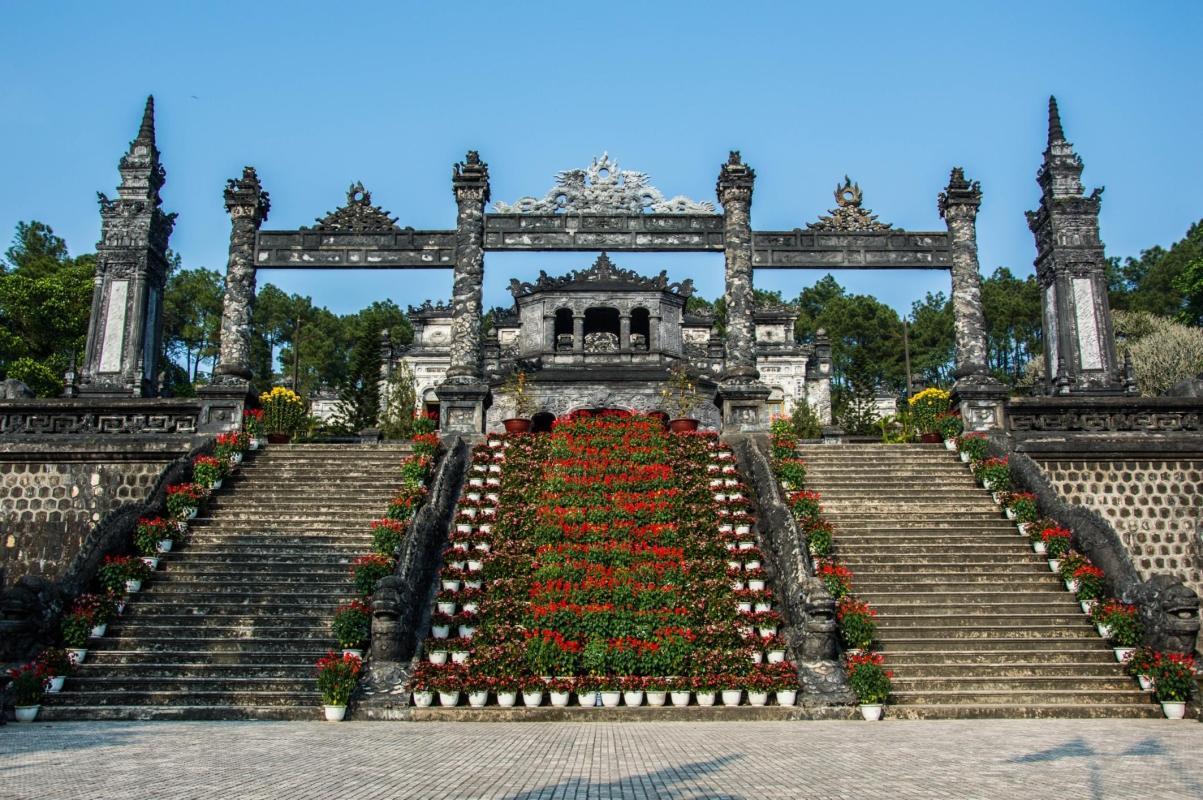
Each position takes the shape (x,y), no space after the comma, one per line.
(937,759)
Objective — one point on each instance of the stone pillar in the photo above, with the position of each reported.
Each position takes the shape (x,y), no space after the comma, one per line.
(578,333)
(463,392)
(549,333)
(125,330)
(742,395)
(624,332)
(979,396)
(1071,268)
(248,206)
(653,333)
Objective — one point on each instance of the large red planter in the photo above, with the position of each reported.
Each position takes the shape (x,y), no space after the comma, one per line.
(682,425)
(516,425)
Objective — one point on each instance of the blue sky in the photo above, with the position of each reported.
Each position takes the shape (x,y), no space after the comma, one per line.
(318,95)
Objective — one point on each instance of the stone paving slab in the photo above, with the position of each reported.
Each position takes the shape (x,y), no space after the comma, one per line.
(993,759)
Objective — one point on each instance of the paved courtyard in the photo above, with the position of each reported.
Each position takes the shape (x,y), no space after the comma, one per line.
(521,761)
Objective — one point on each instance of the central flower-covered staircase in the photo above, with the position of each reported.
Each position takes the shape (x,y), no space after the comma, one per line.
(230,625)
(972,623)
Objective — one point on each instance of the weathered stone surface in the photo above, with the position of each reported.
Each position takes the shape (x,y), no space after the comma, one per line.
(126,323)
(958,206)
(248,206)
(470,182)
(734,190)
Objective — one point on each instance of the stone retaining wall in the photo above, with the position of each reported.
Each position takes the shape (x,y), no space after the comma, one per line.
(1155,504)
(53,492)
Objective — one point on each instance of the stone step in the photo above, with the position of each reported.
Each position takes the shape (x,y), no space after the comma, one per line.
(161,628)
(1116,682)
(169,612)
(259,643)
(1013,633)
(251,577)
(850,526)
(916,670)
(297,518)
(1013,710)
(932,538)
(1022,696)
(969,583)
(915,641)
(985,550)
(247,562)
(109,659)
(968,654)
(293,696)
(292,591)
(109,685)
(89,676)
(953,566)
(223,549)
(972,608)
(902,621)
(57,713)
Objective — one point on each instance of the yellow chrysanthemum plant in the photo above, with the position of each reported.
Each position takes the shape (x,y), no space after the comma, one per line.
(283,411)
(926,406)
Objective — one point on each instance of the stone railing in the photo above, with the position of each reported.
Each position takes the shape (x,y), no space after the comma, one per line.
(811,631)
(31,608)
(106,416)
(1122,414)
(400,602)
(1168,608)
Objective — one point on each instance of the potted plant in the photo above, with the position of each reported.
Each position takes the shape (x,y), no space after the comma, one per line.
(252,424)
(1141,664)
(783,680)
(632,690)
(950,426)
(705,688)
(76,627)
(208,472)
(972,447)
(1174,683)
(532,687)
(870,681)
(679,690)
(680,394)
(1024,509)
(507,687)
(56,664)
(99,608)
(656,690)
(125,574)
(1056,543)
(559,690)
(926,407)
(229,447)
(819,538)
(352,627)
(1089,581)
(367,570)
(856,621)
(476,686)
(27,685)
(1126,631)
(184,499)
(791,472)
(523,403)
(731,690)
(995,474)
(836,578)
(337,676)
(283,414)
(419,686)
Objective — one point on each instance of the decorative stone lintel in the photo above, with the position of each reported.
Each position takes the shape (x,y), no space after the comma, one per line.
(982,404)
(462,407)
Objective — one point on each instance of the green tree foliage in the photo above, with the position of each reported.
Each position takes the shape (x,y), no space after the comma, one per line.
(1164,351)
(1155,281)
(1013,328)
(932,343)
(192,319)
(1190,283)
(45,299)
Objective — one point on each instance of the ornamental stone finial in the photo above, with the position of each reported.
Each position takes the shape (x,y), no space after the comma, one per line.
(1055,132)
(470,178)
(960,194)
(244,197)
(735,180)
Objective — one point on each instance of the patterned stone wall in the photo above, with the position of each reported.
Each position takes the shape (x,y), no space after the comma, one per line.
(48,507)
(1156,506)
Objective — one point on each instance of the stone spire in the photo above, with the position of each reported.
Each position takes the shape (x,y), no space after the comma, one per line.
(126,324)
(1080,356)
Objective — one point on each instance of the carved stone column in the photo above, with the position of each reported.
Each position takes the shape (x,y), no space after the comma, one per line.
(125,330)
(248,206)
(979,395)
(743,396)
(462,394)
(578,333)
(624,332)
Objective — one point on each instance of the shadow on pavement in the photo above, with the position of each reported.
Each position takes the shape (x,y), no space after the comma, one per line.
(674,782)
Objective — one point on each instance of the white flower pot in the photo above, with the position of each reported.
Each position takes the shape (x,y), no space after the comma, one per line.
(1122,653)
(476,482)
(705,699)
(440,631)
(165,545)
(471,608)
(467,631)
(475,565)
(1054,565)
(451,586)
(1071,585)
(478,699)
(507,699)
(192,512)
(776,656)
(354,651)
(1087,606)
(459,656)
(235,458)
(1104,630)
(731,697)
(216,485)
(463,527)
(133,586)
(752,564)
(679,698)
(1023,528)
(532,699)
(787,697)
(767,630)
(656,699)
(737,585)
(950,445)
(253,444)
(735,565)
(56,684)
(965,457)
(743,530)
(1145,681)
(1010,512)
(1038,548)
(449,699)
(483,547)
(485,527)
(423,699)
(760,608)
(30,713)
(870,711)
(446,607)
(335,713)
(438,657)
(611,698)
(746,544)
(151,561)
(77,654)
(756,584)
(1173,709)
(473,583)
(98,630)
(758,698)
(720,496)
(726,527)
(560,699)
(743,606)
(634,699)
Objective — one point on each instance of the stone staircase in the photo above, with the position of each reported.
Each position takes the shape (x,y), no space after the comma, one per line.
(970,620)
(231,624)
